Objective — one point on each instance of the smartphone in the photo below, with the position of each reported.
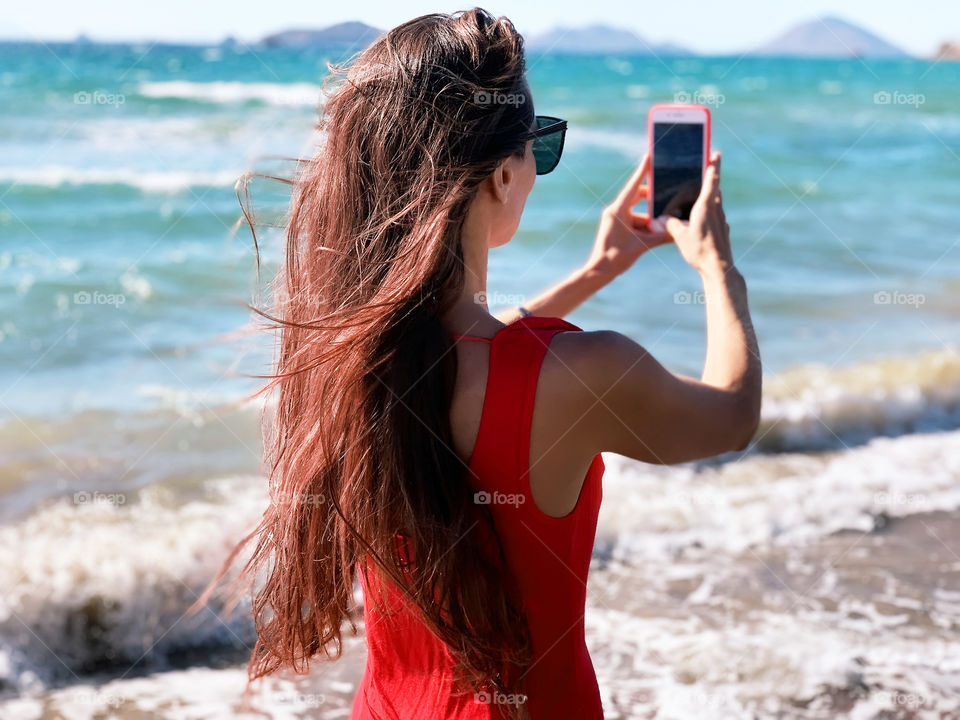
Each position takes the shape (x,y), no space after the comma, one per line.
(679,153)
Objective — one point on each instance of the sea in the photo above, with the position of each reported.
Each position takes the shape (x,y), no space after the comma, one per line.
(814,575)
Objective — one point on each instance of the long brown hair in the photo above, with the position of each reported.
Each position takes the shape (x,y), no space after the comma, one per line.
(359,447)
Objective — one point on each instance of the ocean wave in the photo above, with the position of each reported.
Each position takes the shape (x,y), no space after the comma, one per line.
(768,665)
(101,579)
(54,176)
(289,94)
(817,407)
(204,692)
(782,499)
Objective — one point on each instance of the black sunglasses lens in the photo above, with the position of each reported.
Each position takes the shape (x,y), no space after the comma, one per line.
(547,148)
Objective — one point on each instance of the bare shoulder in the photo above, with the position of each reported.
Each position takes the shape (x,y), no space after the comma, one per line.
(583,381)
(592,361)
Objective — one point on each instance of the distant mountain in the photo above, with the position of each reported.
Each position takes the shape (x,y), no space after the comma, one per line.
(356,34)
(829,37)
(600,39)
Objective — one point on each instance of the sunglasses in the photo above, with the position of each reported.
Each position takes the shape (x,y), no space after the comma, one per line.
(548,142)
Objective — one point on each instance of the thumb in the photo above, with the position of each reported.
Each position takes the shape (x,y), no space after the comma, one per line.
(675,226)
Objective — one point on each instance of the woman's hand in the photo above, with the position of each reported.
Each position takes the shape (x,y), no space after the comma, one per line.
(624,235)
(704,240)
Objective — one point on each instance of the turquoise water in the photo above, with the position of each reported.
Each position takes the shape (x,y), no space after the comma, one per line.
(812,573)
(831,197)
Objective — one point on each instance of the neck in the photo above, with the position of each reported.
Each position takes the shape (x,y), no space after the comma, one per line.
(469,313)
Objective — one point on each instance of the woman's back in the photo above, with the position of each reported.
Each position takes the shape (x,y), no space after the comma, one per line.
(409,671)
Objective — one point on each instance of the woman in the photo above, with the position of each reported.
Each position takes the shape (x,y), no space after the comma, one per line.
(447,459)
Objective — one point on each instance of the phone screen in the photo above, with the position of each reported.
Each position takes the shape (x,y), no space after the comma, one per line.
(677,167)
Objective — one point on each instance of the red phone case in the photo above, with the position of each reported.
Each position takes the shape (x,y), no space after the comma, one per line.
(706,155)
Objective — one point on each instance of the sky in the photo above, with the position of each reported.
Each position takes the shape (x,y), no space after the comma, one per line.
(917,26)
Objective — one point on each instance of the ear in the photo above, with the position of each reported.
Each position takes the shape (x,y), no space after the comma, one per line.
(502,181)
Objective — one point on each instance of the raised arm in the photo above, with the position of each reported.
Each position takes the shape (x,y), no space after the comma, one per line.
(622,237)
(621,399)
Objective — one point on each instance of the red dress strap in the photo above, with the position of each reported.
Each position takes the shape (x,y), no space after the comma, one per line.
(516,355)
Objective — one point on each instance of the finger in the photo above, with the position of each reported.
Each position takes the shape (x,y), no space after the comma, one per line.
(711,181)
(713,173)
(640,221)
(643,189)
(626,197)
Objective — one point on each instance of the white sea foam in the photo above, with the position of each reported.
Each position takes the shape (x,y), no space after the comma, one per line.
(296,94)
(124,566)
(771,666)
(785,498)
(109,575)
(815,406)
(54,176)
(118,575)
(203,692)
(136,285)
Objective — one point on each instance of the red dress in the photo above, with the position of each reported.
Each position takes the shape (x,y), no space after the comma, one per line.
(408,671)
